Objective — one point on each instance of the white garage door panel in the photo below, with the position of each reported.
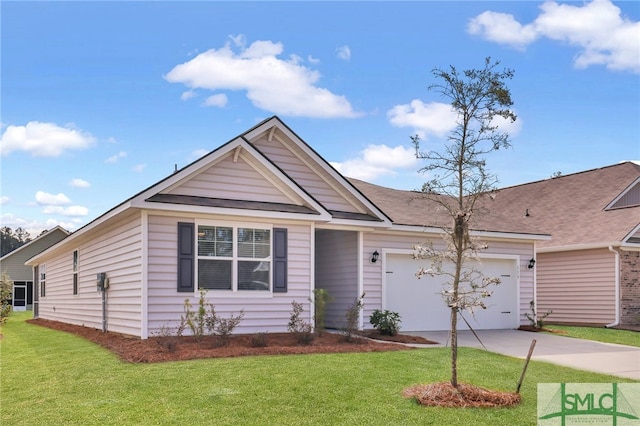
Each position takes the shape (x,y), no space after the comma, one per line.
(421,307)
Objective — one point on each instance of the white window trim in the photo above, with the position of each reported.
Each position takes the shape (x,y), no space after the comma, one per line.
(234,292)
(75,268)
(42,279)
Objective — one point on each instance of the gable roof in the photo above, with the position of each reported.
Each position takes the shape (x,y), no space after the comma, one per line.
(304,157)
(161,197)
(577,208)
(366,204)
(44,240)
(14,262)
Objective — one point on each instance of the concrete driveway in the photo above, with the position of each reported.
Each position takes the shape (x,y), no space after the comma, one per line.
(607,358)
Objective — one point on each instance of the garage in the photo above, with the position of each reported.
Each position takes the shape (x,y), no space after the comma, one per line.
(422,309)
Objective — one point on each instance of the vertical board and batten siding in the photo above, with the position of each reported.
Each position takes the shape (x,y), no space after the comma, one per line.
(336,271)
(229,180)
(263,312)
(579,286)
(115,250)
(303,175)
(372,273)
(631,198)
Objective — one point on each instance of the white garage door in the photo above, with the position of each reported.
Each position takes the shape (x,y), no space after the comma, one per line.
(422,308)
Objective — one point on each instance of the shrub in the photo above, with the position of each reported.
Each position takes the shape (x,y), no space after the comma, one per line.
(166,338)
(536,321)
(350,330)
(208,320)
(259,340)
(299,327)
(386,322)
(196,321)
(6,285)
(224,326)
(320,301)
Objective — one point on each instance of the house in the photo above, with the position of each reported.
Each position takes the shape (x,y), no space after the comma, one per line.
(589,272)
(13,265)
(261,222)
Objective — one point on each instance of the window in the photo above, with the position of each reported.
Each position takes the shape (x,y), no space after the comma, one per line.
(43,287)
(234,258)
(75,272)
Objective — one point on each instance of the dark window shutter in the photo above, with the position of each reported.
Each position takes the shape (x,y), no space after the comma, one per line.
(279,260)
(186,257)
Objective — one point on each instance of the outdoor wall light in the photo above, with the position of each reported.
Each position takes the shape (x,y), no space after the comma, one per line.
(375,256)
(532,263)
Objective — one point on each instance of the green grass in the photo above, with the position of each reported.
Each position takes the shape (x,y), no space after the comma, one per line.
(600,334)
(50,377)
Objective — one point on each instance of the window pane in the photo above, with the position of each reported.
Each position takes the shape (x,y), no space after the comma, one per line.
(254,275)
(214,274)
(215,241)
(254,243)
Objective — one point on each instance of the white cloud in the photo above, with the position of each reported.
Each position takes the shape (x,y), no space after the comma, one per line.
(34,227)
(115,158)
(505,125)
(218,100)
(273,84)
(599,31)
(138,168)
(437,119)
(72,211)
(434,118)
(188,95)
(46,199)
(4,200)
(376,161)
(43,139)
(79,183)
(502,28)
(344,53)
(313,60)
(112,140)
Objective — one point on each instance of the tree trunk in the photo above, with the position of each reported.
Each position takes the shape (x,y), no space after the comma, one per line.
(454,347)
(459,235)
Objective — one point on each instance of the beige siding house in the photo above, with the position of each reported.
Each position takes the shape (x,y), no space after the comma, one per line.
(589,271)
(13,265)
(261,222)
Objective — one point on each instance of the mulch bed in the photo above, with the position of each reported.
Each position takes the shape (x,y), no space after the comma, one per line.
(172,348)
(465,396)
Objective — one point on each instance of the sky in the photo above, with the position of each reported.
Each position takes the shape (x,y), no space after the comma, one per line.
(100,100)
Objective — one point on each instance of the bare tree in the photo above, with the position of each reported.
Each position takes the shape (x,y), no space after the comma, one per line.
(459,179)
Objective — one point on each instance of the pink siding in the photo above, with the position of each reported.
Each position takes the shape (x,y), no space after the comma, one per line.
(379,240)
(116,250)
(263,312)
(303,175)
(235,181)
(579,286)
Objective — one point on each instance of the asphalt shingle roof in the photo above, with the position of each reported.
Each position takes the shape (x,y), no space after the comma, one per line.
(571,208)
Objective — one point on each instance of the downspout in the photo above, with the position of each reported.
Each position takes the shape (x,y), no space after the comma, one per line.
(617,287)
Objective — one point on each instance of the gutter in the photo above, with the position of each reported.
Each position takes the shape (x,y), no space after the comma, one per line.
(617,287)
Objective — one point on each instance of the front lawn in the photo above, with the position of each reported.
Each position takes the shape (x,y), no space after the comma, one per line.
(600,334)
(51,377)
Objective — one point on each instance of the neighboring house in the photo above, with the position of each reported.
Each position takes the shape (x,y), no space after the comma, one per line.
(13,264)
(589,272)
(261,222)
